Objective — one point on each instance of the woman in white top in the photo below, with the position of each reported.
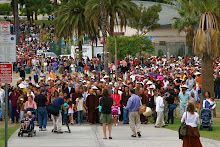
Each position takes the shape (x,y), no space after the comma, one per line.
(191,118)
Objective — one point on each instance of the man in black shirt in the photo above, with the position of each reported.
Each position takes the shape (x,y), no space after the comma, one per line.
(41,101)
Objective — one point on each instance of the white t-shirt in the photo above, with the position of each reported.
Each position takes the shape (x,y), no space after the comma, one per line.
(191,119)
(80,104)
(159,104)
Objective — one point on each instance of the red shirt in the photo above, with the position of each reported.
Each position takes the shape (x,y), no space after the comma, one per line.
(117,98)
(14,98)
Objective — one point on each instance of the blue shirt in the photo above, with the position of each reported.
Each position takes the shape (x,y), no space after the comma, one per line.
(133,103)
(183,99)
(58,101)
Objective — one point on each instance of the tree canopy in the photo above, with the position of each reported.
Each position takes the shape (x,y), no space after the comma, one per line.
(130,45)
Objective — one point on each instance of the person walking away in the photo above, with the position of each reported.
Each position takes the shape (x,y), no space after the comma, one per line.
(160,110)
(170,101)
(57,120)
(125,97)
(191,118)
(106,103)
(134,117)
(71,111)
(22,73)
(183,97)
(115,113)
(2,96)
(91,105)
(14,95)
(144,101)
(79,107)
(41,101)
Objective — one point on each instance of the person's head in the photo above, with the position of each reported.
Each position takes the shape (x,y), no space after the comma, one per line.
(191,108)
(132,91)
(98,92)
(115,91)
(114,103)
(190,76)
(77,89)
(162,93)
(141,90)
(30,98)
(126,89)
(155,92)
(91,91)
(184,90)
(43,91)
(61,95)
(105,92)
(207,94)
(26,116)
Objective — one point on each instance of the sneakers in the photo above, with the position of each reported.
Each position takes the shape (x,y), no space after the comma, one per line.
(44,129)
(157,127)
(139,134)
(40,129)
(59,132)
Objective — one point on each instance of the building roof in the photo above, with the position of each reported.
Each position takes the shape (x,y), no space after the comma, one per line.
(166,15)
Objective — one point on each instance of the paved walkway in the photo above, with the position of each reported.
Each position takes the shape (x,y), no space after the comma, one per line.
(91,136)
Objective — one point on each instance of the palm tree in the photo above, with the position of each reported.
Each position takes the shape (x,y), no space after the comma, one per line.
(116,10)
(104,34)
(206,41)
(70,21)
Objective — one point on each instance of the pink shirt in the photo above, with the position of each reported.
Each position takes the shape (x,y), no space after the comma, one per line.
(70,109)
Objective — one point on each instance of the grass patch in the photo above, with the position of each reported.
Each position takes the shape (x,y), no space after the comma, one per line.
(11,129)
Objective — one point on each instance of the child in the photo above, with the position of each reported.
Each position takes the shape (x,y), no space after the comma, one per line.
(115,112)
(79,108)
(71,112)
(64,114)
(25,122)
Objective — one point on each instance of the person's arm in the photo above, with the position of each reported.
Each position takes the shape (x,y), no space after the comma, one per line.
(76,105)
(203,105)
(128,104)
(25,105)
(184,117)
(63,107)
(213,106)
(35,105)
(161,103)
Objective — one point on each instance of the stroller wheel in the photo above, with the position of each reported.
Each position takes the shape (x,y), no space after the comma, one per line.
(31,134)
(210,128)
(35,132)
(19,134)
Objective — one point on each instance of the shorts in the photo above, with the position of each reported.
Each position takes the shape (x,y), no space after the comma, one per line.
(70,114)
(106,118)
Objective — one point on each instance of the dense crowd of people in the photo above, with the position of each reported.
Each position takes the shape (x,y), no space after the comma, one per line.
(83,92)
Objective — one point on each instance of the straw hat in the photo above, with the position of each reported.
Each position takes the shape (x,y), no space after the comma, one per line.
(148,112)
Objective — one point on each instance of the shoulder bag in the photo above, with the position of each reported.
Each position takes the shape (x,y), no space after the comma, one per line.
(183,129)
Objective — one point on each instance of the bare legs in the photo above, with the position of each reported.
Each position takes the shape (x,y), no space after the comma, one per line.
(109,130)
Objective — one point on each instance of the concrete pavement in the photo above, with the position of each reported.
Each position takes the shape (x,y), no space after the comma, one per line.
(91,136)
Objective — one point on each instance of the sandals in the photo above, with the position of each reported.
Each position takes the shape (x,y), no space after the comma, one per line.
(110,137)
(133,135)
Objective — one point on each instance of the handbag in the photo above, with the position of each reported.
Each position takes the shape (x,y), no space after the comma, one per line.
(142,108)
(54,110)
(183,129)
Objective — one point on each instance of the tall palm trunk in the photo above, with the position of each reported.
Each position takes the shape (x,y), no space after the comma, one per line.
(55,7)
(104,34)
(16,18)
(207,77)
(80,42)
(35,15)
(112,24)
(28,14)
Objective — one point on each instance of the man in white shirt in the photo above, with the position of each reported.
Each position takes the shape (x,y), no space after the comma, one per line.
(2,95)
(166,82)
(160,110)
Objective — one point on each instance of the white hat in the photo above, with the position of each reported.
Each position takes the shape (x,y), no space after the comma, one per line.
(37,86)
(110,83)
(20,78)
(149,83)
(41,79)
(197,73)
(151,87)
(27,79)
(21,85)
(184,86)
(102,80)
(119,79)
(49,79)
(84,81)
(106,76)
(94,87)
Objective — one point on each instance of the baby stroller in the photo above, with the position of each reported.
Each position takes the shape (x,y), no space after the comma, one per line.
(206,116)
(30,131)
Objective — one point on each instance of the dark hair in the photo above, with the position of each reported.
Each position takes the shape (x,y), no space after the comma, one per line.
(105,92)
(162,92)
(132,91)
(209,94)
(191,108)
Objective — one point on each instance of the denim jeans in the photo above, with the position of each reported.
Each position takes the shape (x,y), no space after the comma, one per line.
(14,114)
(64,118)
(80,116)
(1,110)
(36,78)
(126,115)
(42,117)
(170,116)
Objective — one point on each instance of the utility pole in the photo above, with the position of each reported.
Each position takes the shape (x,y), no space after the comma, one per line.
(104,34)
(16,18)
